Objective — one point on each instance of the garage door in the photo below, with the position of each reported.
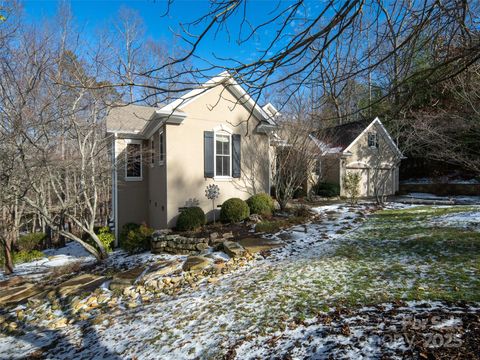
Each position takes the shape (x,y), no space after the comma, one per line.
(385,181)
(363,180)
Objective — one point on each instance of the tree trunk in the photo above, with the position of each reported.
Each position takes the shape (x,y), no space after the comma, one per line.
(8,254)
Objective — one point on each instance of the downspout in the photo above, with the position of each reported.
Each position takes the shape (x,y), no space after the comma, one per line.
(269,167)
(115,188)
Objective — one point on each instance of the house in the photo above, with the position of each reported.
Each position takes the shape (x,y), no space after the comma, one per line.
(362,147)
(166,156)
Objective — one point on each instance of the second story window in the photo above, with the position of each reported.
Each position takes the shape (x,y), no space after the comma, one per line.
(222,155)
(372,140)
(133,161)
(161,147)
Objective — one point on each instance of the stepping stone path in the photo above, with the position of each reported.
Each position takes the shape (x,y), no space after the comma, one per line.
(255,245)
(18,293)
(79,284)
(196,263)
(126,278)
(233,249)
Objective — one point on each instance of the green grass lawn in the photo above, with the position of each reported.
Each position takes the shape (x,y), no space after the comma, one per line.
(407,255)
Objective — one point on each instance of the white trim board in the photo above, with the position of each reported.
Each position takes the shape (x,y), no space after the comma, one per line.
(243,97)
(389,138)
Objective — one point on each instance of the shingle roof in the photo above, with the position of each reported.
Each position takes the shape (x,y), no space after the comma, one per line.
(341,136)
(128,118)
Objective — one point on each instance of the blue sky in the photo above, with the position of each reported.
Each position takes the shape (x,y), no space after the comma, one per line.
(93,14)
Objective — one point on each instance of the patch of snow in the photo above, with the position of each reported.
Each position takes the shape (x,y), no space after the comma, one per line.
(463,219)
(458,199)
(250,309)
(71,253)
(449,323)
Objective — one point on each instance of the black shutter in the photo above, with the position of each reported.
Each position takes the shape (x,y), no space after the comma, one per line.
(208,154)
(236,153)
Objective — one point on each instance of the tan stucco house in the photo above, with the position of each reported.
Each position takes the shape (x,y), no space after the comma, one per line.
(363,147)
(165,156)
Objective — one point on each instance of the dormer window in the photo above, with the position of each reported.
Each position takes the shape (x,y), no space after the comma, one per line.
(372,140)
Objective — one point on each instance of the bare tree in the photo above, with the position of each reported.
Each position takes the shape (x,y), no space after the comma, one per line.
(295,158)
(304,40)
(53,151)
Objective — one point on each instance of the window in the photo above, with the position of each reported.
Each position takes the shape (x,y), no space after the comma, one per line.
(372,140)
(134,161)
(152,154)
(222,155)
(161,146)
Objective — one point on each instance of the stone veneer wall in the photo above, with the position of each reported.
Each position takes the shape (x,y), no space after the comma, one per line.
(177,244)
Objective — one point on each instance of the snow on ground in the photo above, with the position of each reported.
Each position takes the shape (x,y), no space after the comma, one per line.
(266,308)
(71,253)
(464,219)
(370,333)
(459,199)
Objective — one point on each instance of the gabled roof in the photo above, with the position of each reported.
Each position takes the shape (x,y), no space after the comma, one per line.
(341,138)
(128,118)
(229,81)
(136,119)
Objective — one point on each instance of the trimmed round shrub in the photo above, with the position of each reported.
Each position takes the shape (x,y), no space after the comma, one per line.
(191,218)
(261,204)
(327,189)
(234,210)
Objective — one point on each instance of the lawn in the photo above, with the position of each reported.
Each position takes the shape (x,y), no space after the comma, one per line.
(421,253)
(312,297)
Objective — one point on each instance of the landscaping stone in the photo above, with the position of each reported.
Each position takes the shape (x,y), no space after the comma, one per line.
(228,235)
(177,244)
(233,249)
(255,218)
(161,268)
(19,294)
(78,284)
(196,263)
(126,278)
(255,245)
(14,281)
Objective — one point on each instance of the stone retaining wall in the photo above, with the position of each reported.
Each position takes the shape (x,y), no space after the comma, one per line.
(177,244)
(441,189)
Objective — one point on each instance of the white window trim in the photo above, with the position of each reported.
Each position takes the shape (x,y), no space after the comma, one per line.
(134,178)
(221,130)
(160,150)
